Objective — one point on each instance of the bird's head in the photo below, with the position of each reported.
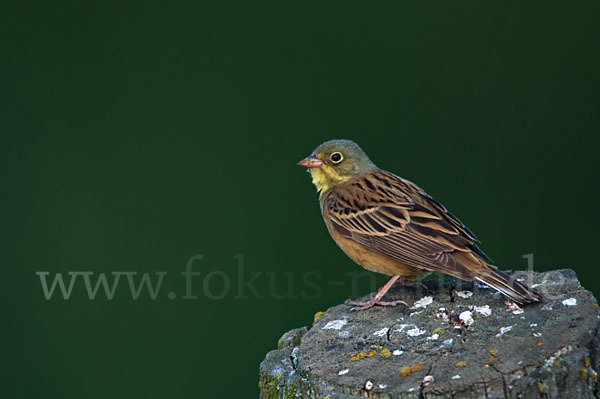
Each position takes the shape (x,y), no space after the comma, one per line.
(335,162)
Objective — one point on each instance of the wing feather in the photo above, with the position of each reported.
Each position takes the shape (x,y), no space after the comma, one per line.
(396,218)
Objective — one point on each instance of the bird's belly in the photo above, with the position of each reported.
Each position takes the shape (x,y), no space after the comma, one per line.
(376,262)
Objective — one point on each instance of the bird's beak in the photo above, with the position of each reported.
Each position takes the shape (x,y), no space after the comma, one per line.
(311,162)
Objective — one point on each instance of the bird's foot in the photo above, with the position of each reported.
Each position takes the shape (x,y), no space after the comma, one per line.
(362,305)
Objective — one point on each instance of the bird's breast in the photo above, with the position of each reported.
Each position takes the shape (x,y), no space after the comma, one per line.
(372,260)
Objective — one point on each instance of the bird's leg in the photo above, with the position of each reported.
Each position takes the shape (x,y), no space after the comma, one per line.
(413,285)
(376,300)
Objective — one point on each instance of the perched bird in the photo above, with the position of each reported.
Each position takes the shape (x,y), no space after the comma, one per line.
(389,225)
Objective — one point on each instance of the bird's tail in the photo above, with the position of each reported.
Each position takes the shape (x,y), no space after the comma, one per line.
(508,286)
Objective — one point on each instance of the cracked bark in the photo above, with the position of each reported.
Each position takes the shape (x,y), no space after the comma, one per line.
(545,350)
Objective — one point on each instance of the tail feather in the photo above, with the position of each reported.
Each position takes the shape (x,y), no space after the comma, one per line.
(508,286)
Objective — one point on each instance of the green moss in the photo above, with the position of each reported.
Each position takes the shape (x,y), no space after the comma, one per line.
(291,338)
(276,387)
(269,386)
(290,392)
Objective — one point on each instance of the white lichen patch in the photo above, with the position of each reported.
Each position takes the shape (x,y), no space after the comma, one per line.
(466,318)
(482,310)
(415,332)
(335,324)
(397,352)
(428,379)
(382,386)
(382,332)
(423,302)
(294,355)
(504,330)
(401,327)
(414,313)
(547,307)
(344,334)
(433,337)
(344,371)
(532,325)
(448,342)
(570,302)
(537,334)
(550,361)
(456,377)
(465,294)
(518,311)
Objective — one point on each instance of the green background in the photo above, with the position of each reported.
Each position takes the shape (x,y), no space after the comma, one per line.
(138,134)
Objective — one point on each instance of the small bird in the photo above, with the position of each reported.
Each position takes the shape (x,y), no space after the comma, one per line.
(389,225)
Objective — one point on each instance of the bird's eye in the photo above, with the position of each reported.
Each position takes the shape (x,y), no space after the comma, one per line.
(336,157)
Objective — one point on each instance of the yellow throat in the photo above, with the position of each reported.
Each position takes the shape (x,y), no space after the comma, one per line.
(326,177)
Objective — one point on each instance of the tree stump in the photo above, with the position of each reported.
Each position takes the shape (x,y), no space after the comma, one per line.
(455,340)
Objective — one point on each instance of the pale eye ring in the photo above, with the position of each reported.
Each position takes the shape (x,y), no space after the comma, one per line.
(336,157)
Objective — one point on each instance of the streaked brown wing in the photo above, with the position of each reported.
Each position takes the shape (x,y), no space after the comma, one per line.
(396,218)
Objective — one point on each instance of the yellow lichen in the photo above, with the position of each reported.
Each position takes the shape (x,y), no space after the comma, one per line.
(486,366)
(439,331)
(360,355)
(540,344)
(385,352)
(494,352)
(461,364)
(278,376)
(583,375)
(410,369)
(317,316)
(493,359)
(586,362)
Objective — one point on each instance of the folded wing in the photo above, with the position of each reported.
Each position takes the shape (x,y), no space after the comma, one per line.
(396,218)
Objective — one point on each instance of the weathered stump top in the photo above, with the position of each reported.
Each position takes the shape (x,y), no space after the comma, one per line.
(456,340)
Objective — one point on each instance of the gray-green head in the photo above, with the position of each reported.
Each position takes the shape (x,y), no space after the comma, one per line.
(335,162)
